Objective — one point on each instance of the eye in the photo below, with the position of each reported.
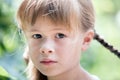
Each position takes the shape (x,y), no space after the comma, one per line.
(37,36)
(60,35)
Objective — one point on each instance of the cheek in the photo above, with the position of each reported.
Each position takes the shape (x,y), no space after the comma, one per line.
(34,45)
(69,56)
(33,49)
(34,55)
(69,50)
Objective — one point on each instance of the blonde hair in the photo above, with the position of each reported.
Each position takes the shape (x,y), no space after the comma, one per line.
(64,12)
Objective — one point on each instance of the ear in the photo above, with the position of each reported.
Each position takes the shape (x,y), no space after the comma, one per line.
(88,37)
(25,55)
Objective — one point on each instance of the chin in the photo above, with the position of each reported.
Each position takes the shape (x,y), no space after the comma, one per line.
(50,73)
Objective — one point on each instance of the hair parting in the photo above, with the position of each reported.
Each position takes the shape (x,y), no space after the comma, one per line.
(106,45)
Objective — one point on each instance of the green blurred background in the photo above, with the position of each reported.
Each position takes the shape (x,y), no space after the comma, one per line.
(97,60)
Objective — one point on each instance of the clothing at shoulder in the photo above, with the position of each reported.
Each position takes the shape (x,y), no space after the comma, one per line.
(95,77)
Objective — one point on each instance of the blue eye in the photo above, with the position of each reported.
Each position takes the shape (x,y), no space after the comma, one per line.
(60,35)
(37,36)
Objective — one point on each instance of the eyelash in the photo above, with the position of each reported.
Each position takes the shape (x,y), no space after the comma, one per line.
(36,36)
(58,36)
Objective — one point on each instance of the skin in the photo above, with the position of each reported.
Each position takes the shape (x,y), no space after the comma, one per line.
(49,41)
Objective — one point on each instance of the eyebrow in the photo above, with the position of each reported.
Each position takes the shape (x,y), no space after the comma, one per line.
(59,29)
(36,30)
(33,30)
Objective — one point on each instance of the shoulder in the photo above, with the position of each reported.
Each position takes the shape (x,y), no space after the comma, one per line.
(95,77)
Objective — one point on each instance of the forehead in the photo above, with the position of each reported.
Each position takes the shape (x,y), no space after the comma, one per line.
(47,24)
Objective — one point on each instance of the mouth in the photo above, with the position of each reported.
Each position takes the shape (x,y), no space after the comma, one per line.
(48,62)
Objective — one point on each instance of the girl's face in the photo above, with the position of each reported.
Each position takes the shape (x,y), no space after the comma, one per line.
(52,48)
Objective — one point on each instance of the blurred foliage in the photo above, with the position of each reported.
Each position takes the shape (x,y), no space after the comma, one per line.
(3,72)
(97,60)
(7,27)
(10,43)
(4,75)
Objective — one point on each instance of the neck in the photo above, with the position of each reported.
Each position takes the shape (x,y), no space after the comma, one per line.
(77,73)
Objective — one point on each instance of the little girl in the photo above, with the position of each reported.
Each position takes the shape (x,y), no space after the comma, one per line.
(57,32)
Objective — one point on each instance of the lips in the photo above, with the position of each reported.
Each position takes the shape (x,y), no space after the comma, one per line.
(48,62)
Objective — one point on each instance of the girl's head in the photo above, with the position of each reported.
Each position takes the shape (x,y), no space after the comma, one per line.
(49,26)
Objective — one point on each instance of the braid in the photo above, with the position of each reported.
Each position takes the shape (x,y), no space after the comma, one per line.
(106,45)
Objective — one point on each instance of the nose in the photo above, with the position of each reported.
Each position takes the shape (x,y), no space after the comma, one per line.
(46,50)
(47,47)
